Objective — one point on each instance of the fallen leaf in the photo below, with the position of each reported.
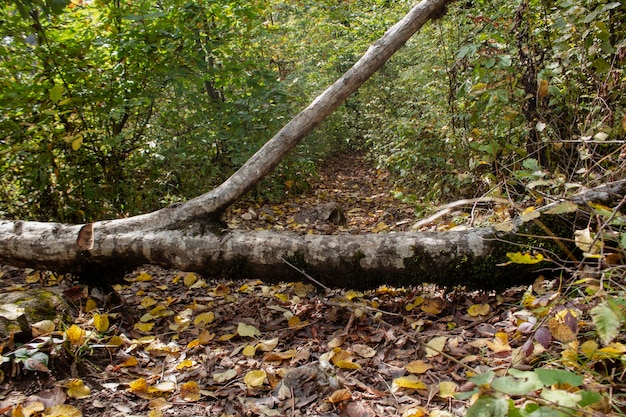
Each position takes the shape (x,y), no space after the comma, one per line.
(447,389)
(435,346)
(246,330)
(101,322)
(418,367)
(62,410)
(76,388)
(478,310)
(75,335)
(190,391)
(255,379)
(410,382)
(339,395)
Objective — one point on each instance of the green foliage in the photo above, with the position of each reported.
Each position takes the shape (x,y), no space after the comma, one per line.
(93,128)
(548,392)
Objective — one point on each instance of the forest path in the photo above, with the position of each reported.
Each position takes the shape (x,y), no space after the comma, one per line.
(351,182)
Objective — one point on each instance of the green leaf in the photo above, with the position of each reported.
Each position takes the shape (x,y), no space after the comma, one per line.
(489,407)
(482,379)
(607,320)
(561,397)
(56,93)
(589,398)
(551,377)
(514,386)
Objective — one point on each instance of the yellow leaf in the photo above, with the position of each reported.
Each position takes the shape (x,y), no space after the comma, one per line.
(116,341)
(226,337)
(282,297)
(418,302)
(203,319)
(478,310)
(339,396)
(130,362)
(254,379)
(101,322)
(139,387)
(347,364)
(90,305)
(506,226)
(418,367)
(294,321)
(148,302)
(447,389)
(75,335)
(143,277)
(187,363)
(529,214)
(410,382)
(280,356)
(62,410)
(143,327)
(246,330)
(77,389)
(524,258)
(561,331)
(435,346)
(350,294)
(500,343)
(190,279)
(249,351)
(190,391)
(193,344)
(77,143)
(155,413)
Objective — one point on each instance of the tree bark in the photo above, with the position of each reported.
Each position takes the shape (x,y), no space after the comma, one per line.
(186,236)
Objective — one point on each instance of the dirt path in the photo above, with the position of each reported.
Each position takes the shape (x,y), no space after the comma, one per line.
(349,181)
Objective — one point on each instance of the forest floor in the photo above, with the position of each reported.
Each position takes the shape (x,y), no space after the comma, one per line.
(171,343)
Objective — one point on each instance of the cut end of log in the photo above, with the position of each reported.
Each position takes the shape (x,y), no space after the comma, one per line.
(85,237)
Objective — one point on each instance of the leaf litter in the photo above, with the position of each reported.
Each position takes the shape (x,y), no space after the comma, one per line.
(175,343)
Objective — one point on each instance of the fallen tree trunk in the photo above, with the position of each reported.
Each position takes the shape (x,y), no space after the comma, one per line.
(467,257)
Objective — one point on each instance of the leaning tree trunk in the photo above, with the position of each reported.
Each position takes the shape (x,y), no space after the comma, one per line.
(187,236)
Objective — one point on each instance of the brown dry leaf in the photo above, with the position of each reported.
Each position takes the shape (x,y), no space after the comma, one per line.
(221,377)
(564,326)
(363,350)
(280,356)
(43,327)
(433,306)
(339,395)
(190,391)
(418,367)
